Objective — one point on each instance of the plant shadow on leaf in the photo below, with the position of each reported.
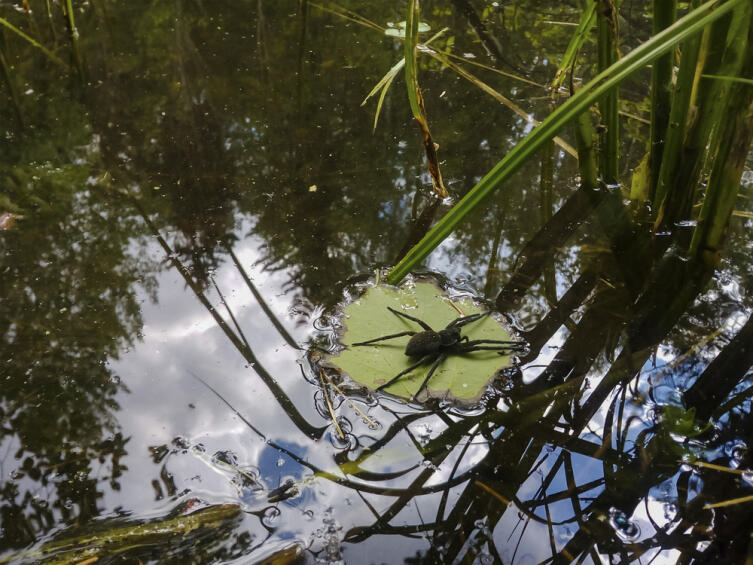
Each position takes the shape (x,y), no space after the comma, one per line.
(462,378)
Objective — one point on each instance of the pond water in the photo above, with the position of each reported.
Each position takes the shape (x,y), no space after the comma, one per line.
(187,204)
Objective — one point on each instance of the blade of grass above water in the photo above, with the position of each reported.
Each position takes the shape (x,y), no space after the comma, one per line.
(608,42)
(411,73)
(416,100)
(54,58)
(691,23)
(386,81)
(576,42)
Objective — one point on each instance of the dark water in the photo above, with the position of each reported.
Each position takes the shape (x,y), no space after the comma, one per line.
(188,209)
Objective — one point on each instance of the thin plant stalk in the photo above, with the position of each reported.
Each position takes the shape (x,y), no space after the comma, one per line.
(608,42)
(677,126)
(74,35)
(587,16)
(416,99)
(50,55)
(5,69)
(665,13)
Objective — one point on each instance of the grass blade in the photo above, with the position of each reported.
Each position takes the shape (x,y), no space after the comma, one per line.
(386,81)
(411,71)
(691,23)
(665,12)
(416,100)
(608,41)
(576,42)
(731,79)
(54,58)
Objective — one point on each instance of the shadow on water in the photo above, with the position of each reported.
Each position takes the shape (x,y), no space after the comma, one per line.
(187,206)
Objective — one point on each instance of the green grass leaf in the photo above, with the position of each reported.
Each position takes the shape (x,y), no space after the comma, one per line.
(54,58)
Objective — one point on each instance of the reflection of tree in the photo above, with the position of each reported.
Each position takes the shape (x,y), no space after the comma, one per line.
(68,306)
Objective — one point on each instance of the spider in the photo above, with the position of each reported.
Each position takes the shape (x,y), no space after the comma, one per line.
(436,346)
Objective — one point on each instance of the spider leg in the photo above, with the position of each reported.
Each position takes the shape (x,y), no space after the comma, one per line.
(385,337)
(421,323)
(475,342)
(423,360)
(460,322)
(500,348)
(441,357)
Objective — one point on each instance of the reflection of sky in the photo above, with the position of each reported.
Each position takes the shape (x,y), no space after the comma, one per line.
(165,402)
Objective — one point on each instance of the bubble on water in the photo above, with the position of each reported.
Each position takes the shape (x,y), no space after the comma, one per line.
(625,528)
(737,452)
(429,465)
(423,433)
(374,425)
(271,516)
(322,323)
(670,511)
(280,462)
(331,534)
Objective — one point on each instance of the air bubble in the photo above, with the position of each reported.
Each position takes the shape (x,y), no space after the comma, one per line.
(737,452)
(626,529)
(271,516)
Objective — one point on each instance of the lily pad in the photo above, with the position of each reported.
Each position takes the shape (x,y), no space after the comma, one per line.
(460,377)
(398,29)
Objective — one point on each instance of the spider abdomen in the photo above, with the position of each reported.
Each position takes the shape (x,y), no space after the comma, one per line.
(423,343)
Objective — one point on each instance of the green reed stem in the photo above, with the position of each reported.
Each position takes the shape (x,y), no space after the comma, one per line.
(665,14)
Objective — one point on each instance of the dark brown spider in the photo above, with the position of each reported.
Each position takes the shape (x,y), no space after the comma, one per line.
(436,346)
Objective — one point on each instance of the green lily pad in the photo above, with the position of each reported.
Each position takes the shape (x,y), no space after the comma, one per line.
(459,377)
(398,29)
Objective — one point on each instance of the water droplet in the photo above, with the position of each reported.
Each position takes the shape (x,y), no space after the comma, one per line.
(271,516)
(423,433)
(670,511)
(737,452)
(280,462)
(626,529)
